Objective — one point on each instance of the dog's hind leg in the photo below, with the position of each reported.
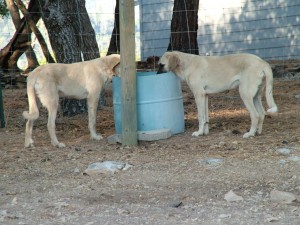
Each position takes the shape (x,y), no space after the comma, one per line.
(202,113)
(260,109)
(50,101)
(92,110)
(28,134)
(248,99)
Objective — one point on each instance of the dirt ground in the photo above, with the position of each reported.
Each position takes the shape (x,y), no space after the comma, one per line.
(171,181)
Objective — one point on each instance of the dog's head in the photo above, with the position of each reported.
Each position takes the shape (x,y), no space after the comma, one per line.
(168,62)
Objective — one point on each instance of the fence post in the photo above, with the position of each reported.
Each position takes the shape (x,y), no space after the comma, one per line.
(128,73)
(2,117)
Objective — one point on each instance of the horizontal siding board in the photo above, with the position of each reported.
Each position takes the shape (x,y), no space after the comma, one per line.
(156,43)
(156,26)
(156,35)
(154,8)
(249,44)
(151,2)
(157,17)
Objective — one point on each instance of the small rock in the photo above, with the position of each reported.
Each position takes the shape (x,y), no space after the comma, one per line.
(176,204)
(297,96)
(224,216)
(272,219)
(106,167)
(123,212)
(294,158)
(282,197)
(14,201)
(222,144)
(76,170)
(114,139)
(284,151)
(212,161)
(232,197)
(282,162)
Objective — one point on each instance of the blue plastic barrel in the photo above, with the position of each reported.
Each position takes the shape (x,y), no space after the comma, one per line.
(159,102)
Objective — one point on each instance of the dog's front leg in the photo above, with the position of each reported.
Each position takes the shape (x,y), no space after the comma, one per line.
(92,109)
(201,99)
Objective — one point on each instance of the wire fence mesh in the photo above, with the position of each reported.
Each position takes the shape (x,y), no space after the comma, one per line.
(269,29)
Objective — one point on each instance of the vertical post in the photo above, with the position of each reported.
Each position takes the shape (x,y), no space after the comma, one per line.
(2,119)
(128,73)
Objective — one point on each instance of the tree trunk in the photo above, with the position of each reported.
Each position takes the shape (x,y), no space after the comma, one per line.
(184,26)
(59,19)
(86,38)
(114,45)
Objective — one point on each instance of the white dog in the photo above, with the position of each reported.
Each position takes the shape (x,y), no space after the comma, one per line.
(214,74)
(78,80)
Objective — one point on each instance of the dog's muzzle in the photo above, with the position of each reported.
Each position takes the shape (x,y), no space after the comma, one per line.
(161,68)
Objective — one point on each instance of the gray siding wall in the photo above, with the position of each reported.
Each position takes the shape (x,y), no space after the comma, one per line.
(155,19)
(269,28)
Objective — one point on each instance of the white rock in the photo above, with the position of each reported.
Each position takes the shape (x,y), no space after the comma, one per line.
(76,170)
(272,219)
(282,162)
(232,197)
(282,197)
(106,167)
(294,158)
(14,201)
(212,161)
(223,216)
(284,151)
(123,211)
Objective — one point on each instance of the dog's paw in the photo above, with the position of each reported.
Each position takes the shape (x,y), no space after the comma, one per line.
(97,137)
(58,144)
(248,135)
(197,133)
(29,143)
(273,110)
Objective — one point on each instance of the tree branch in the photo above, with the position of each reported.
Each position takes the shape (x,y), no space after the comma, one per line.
(35,30)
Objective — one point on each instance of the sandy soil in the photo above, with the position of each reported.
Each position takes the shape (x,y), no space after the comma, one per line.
(171,181)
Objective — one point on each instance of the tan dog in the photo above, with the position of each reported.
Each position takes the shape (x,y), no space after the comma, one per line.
(214,74)
(78,80)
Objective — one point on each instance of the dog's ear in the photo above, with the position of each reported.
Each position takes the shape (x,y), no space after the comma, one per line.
(114,60)
(112,64)
(117,69)
(173,61)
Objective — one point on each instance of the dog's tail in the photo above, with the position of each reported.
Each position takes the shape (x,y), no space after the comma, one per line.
(33,113)
(269,90)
